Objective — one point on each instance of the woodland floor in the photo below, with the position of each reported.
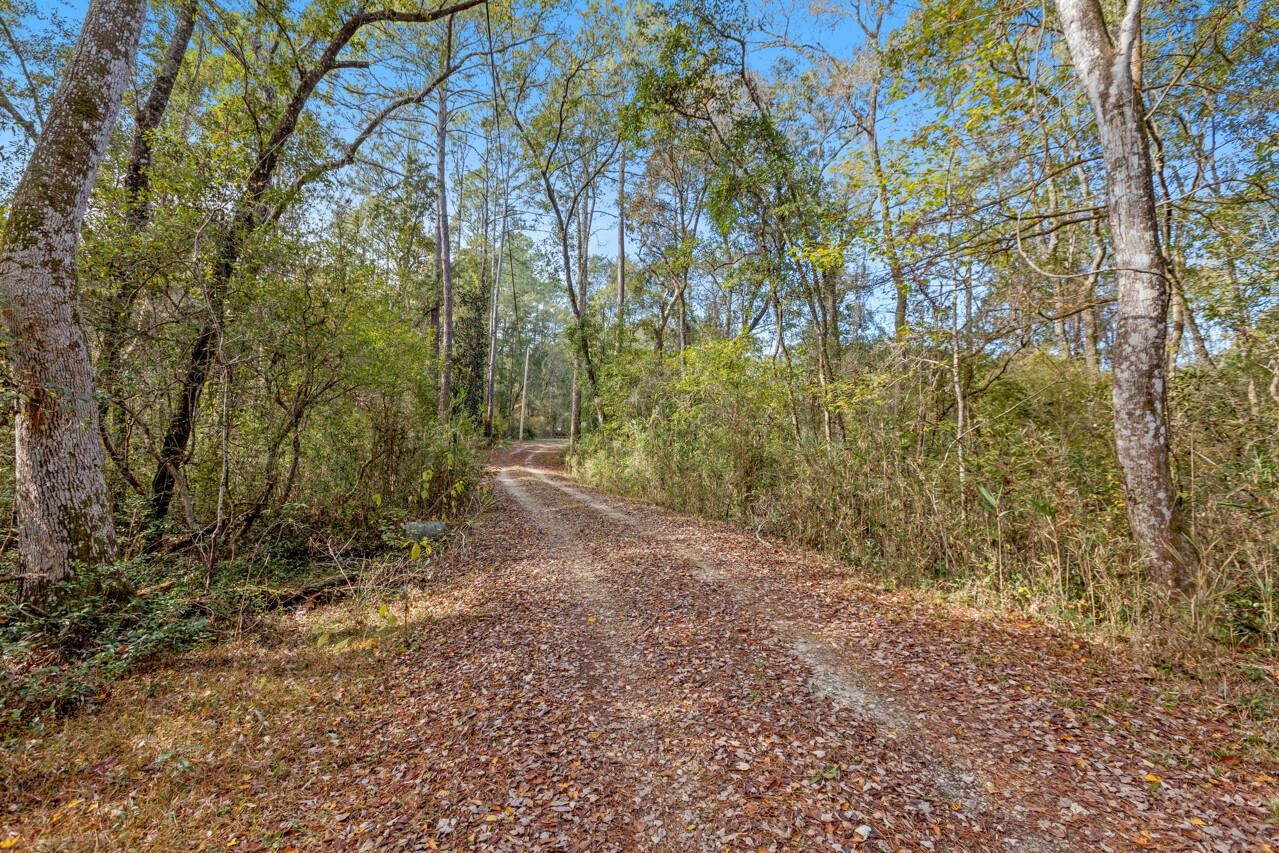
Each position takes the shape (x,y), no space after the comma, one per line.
(589,673)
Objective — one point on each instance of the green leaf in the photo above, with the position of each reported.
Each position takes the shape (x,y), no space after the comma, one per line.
(991,501)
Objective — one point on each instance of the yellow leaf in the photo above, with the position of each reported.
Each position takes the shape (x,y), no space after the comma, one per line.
(1198,821)
(1153,779)
(11,841)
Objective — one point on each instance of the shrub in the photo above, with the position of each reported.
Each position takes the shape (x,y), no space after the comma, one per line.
(1033,518)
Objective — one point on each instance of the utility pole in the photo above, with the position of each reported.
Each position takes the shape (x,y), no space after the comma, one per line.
(524,392)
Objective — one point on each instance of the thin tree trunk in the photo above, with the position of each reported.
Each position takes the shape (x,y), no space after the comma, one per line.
(524,392)
(1176,331)
(583,223)
(561,232)
(444,256)
(575,407)
(621,247)
(1105,68)
(1197,344)
(1092,322)
(60,492)
(870,126)
(224,476)
(900,288)
(1091,319)
(490,371)
(177,436)
(137,179)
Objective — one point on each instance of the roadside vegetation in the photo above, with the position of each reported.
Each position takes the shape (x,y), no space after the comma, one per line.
(978,298)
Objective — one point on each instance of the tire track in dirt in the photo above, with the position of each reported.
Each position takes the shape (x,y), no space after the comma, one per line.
(821,669)
(1070,741)
(637,697)
(834,675)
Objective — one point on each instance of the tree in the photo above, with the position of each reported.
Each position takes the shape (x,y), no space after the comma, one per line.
(254,210)
(443,254)
(124,287)
(61,497)
(1105,67)
(562,121)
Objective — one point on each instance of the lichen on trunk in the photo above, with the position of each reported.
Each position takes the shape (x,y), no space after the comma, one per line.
(61,497)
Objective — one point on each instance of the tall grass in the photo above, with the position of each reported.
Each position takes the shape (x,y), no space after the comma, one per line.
(1024,510)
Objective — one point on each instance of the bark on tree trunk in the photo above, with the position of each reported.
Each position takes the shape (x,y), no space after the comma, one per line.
(621,247)
(444,256)
(61,496)
(524,392)
(1104,66)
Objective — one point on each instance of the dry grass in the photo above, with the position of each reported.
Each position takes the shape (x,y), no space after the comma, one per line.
(220,745)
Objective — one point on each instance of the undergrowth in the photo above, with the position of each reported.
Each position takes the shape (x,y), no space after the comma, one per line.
(1022,511)
(107,619)
(62,653)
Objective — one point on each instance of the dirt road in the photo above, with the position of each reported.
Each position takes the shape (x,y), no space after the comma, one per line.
(591,673)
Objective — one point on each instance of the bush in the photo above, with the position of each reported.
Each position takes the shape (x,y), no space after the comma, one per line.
(95,626)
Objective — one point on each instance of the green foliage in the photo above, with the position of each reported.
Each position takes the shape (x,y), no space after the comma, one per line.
(96,626)
(723,409)
(1035,520)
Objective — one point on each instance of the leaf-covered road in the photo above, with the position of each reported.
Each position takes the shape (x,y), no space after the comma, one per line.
(590,673)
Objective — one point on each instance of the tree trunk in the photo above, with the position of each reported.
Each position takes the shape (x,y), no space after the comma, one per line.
(1140,409)
(583,224)
(1091,318)
(177,436)
(870,126)
(1176,331)
(575,408)
(621,248)
(138,178)
(444,256)
(524,392)
(61,498)
(490,368)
